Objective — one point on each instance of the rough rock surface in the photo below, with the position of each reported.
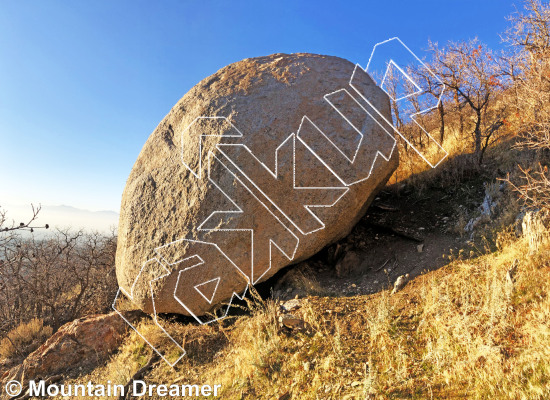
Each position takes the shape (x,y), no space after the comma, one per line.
(83,343)
(235,184)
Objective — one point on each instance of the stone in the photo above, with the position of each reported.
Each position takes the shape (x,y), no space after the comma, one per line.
(291,305)
(292,322)
(257,167)
(78,346)
(400,283)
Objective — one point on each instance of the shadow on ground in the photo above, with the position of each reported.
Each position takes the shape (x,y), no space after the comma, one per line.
(404,232)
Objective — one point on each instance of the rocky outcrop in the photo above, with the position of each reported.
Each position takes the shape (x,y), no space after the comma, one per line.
(80,346)
(257,167)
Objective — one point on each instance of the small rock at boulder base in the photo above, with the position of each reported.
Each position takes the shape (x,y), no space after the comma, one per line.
(292,322)
(257,167)
(291,305)
(400,283)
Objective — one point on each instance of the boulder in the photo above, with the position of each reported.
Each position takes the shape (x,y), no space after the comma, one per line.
(77,347)
(257,167)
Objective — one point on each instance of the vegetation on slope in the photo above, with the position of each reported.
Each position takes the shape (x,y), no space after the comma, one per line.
(476,328)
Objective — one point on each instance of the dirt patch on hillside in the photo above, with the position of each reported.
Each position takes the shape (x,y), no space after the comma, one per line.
(403,232)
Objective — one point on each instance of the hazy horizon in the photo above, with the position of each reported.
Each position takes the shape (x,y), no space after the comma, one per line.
(63,216)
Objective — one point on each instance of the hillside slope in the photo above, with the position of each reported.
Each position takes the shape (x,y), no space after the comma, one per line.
(475,328)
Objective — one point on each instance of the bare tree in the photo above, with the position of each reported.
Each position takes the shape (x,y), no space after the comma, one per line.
(434,87)
(6,230)
(395,85)
(530,36)
(57,278)
(470,71)
(391,86)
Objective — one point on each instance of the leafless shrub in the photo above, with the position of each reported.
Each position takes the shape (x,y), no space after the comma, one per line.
(472,74)
(8,230)
(56,279)
(530,36)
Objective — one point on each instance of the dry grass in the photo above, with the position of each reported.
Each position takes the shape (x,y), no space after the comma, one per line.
(411,163)
(24,339)
(464,331)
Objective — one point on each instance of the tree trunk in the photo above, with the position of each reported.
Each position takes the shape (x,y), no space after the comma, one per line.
(477,135)
(460,117)
(398,122)
(441,122)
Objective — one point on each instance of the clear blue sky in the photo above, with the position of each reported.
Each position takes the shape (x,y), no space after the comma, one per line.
(84,83)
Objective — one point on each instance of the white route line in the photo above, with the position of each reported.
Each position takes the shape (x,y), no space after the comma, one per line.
(412,116)
(209,300)
(411,80)
(201,262)
(131,297)
(274,174)
(199,174)
(378,153)
(240,211)
(326,97)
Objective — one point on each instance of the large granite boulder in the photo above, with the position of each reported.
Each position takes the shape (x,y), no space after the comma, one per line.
(257,167)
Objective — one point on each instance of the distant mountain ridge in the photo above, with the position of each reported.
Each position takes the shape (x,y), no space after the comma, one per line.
(64,207)
(64,216)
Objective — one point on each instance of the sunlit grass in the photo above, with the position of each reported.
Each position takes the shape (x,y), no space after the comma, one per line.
(458,332)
